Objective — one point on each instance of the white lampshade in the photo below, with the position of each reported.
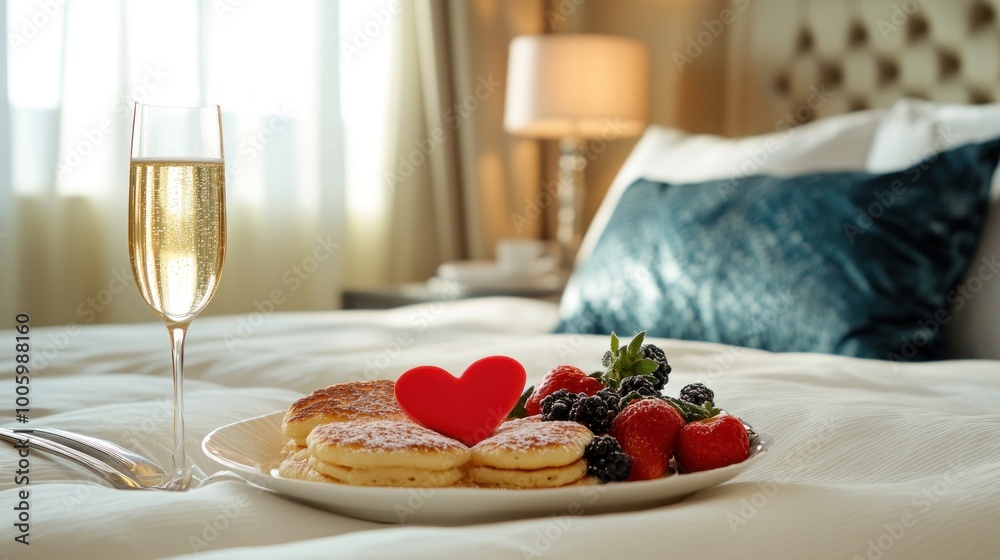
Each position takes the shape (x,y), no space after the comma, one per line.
(576,86)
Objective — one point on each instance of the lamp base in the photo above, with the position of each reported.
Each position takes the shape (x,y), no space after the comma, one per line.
(570,194)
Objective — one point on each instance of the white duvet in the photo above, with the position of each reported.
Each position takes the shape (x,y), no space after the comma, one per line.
(870,459)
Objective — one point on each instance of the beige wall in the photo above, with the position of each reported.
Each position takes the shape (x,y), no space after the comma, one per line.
(691,97)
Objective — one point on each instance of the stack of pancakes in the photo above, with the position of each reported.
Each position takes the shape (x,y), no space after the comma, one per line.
(386,453)
(355,433)
(360,401)
(529,453)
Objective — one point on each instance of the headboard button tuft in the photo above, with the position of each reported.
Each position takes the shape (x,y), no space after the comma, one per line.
(782,85)
(831,74)
(804,42)
(981,14)
(977,97)
(949,63)
(916,27)
(858,104)
(888,71)
(857,35)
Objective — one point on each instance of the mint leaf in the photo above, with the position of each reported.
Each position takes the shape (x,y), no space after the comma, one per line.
(690,412)
(636,344)
(645,367)
(519,411)
(614,344)
(627,399)
(712,410)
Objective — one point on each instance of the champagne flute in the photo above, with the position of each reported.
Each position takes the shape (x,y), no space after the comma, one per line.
(177,228)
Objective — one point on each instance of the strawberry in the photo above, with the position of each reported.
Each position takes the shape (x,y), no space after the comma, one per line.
(712,443)
(561,377)
(646,430)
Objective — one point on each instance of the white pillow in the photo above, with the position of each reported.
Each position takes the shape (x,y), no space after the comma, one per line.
(914,129)
(911,131)
(671,155)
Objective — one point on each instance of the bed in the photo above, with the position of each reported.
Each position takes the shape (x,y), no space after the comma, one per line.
(903,456)
(870,458)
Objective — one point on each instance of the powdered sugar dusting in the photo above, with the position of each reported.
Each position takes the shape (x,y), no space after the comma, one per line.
(367,399)
(382,436)
(525,434)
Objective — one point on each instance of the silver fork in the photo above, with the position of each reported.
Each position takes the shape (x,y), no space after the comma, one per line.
(141,468)
(118,466)
(114,476)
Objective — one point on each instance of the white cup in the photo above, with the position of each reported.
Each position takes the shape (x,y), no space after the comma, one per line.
(515,256)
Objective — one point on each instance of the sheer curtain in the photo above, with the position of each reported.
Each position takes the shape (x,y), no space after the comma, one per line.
(71,71)
(432,176)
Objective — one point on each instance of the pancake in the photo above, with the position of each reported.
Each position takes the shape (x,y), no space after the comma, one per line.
(363,400)
(550,477)
(297,466)
(388,476)
(517,422)
(385,443)
(289,449)
(465,482)
(586,481)
(531,445)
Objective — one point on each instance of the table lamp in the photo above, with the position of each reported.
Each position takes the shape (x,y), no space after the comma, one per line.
(575,88)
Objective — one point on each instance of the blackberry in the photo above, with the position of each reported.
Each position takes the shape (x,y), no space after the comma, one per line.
(556,406)
(606,460)
(662,372)
(640,384)
(611,398)
(697,394)
(634,359)
(593,413)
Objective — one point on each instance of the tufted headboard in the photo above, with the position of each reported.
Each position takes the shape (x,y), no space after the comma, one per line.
(793,61)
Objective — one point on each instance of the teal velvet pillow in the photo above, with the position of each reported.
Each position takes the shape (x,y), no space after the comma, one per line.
(848,263)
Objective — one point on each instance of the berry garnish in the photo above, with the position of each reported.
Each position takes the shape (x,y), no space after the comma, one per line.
(561,377)
(593,413)
(611,398)
(606,460)
(712,443)
(556,406)
(697,394)
(663,369)
(636,387)
(646,430)
(628,361)
(641,384)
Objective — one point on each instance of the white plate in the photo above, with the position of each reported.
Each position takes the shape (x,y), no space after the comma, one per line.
(251,448)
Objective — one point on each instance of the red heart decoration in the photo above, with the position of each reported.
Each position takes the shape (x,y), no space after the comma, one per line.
(468,408)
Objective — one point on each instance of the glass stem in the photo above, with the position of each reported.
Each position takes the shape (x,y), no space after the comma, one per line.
(177,333)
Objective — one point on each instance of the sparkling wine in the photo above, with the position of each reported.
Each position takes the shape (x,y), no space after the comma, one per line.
(177,233)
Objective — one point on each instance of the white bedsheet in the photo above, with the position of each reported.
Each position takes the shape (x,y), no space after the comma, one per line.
(870,459)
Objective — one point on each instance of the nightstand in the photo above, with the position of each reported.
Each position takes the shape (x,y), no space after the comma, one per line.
(419,292)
